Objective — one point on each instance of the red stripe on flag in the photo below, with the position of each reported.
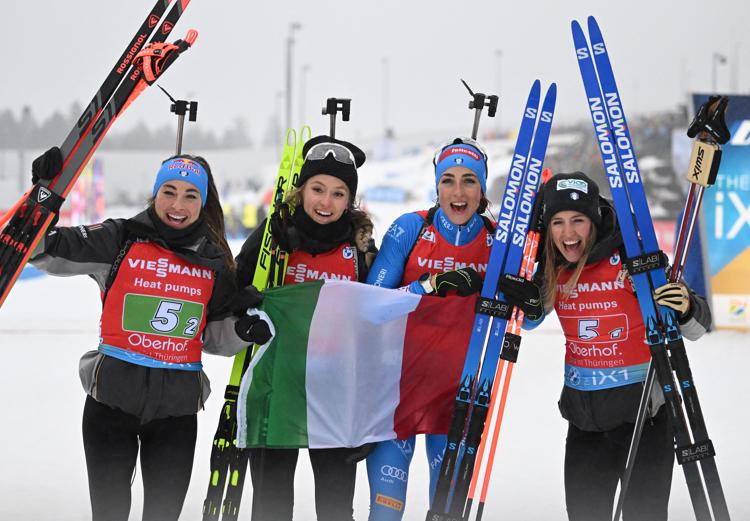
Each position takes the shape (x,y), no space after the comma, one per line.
(435,343)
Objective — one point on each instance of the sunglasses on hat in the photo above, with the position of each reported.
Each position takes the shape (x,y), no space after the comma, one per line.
(340,153)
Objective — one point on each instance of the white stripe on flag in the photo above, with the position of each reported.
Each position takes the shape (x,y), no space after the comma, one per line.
(360,327)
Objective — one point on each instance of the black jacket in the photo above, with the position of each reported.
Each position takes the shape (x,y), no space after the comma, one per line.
(148,393)
(248,256)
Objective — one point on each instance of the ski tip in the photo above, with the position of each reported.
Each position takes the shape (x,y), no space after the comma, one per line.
(291,137)
(536,90)
(305,133)
(594,31)
(574,25)
(550,98)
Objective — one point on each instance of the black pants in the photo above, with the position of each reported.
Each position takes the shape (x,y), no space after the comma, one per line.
(110,440)
(272,472)
(595,461)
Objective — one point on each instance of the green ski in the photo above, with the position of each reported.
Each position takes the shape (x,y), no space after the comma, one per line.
(228,463)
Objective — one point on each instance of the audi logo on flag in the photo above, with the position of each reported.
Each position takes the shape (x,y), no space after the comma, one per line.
(393,472)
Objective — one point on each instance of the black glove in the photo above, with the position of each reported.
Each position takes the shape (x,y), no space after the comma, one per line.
(523,294)
(357,454)
(464,282)
(251,328)
(245,298)
(46,166)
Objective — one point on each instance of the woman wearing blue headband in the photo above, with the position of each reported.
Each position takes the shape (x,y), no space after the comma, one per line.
(165,276)
(439,251)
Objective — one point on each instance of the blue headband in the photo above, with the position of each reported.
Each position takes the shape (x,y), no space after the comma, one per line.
(182,169)
(462,154)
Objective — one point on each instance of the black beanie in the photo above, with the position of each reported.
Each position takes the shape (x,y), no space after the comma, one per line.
(332,165)
(576,192)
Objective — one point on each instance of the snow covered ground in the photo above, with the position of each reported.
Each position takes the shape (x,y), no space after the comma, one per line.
(47,323)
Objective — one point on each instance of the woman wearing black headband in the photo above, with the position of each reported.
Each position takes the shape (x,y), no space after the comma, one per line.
(582,277)
(326,236)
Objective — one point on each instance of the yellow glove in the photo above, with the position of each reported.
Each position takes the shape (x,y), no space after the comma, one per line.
(673,295)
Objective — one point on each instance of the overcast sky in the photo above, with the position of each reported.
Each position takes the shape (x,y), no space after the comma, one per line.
(55,52)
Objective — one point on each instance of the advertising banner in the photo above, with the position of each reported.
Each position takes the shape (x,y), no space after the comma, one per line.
(726,212)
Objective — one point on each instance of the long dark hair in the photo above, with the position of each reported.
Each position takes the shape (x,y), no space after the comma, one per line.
(211,211)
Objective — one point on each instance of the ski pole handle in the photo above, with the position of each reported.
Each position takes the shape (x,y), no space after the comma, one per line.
(710,130)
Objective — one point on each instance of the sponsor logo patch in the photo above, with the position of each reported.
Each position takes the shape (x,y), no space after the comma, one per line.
(459,150)
(573,184)
(389,502)
(43,194)
(573,376)
(394,472)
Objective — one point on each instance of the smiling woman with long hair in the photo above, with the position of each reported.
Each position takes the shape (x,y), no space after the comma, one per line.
(440,251)
(166,277)
(582,277)
(325,236)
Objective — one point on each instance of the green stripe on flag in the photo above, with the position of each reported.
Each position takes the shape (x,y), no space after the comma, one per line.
(276,408)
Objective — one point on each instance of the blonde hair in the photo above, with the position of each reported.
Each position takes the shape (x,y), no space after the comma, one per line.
(361,221)
(552,271)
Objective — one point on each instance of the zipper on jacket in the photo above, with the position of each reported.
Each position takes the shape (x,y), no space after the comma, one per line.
(201,404)
(95,383)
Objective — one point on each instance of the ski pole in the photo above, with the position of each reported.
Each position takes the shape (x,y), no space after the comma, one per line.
(483,444)
(711,132)
(709,127)
(511,345)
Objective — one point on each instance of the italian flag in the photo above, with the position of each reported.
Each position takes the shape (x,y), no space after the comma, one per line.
(352,364)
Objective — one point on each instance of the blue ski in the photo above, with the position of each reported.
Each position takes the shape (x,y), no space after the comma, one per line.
(645,267)
(516,236)
(482,321)
(489,326)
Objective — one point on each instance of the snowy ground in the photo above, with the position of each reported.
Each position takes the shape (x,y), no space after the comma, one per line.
(43,473)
